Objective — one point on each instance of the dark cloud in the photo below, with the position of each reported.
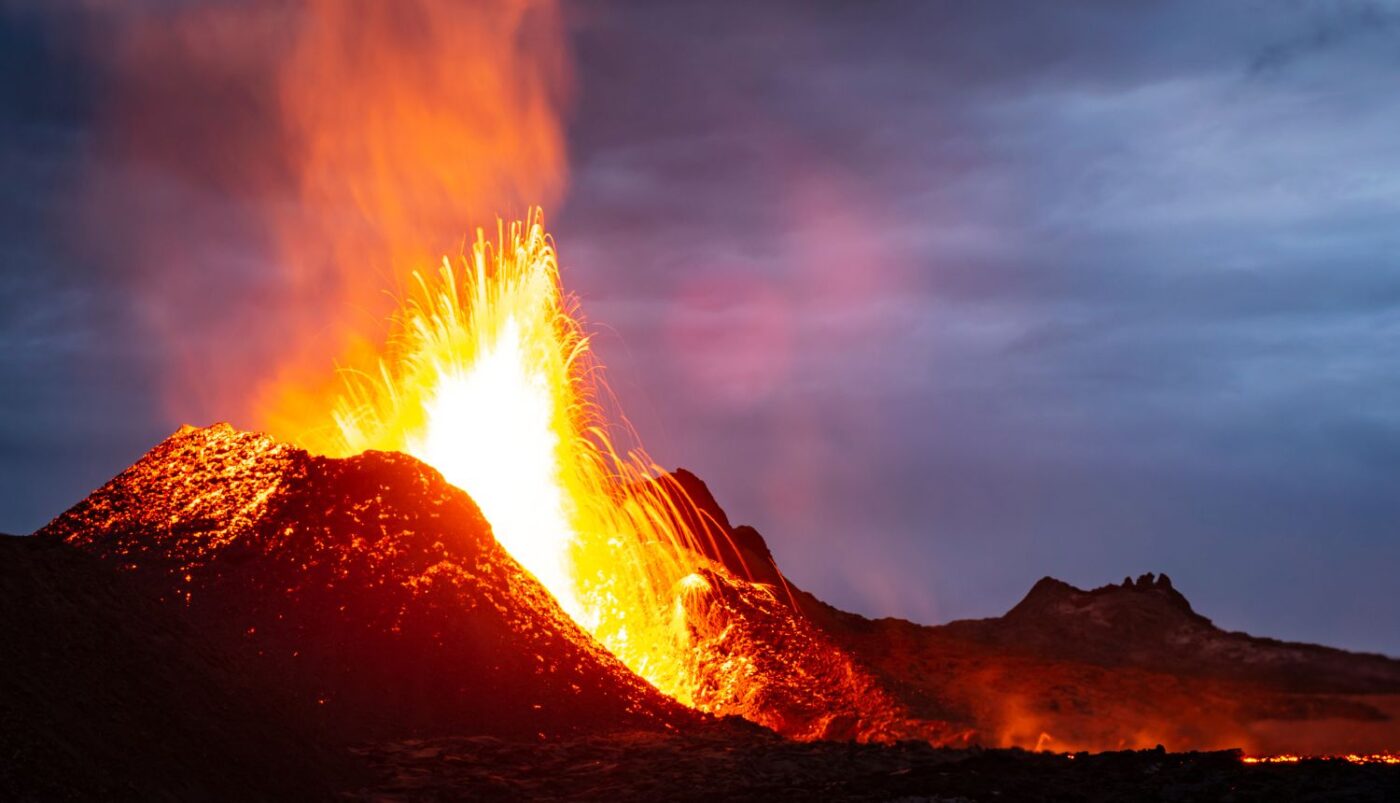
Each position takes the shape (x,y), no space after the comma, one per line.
(941,296)
(73,399)
(1081,289)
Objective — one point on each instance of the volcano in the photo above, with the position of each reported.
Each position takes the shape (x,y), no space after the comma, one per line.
(367,586)
(324,603)
(371,587)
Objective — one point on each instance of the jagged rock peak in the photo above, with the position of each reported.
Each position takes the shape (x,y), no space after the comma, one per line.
(742,550)
(1147,581)
(1050,594)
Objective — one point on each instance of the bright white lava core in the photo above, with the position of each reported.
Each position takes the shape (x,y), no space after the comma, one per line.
(490,429)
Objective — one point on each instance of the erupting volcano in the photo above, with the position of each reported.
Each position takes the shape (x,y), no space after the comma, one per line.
(425,556)
(523,576)
(489,379)
(466,550)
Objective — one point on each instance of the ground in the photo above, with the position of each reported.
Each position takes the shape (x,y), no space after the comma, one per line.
(650,767)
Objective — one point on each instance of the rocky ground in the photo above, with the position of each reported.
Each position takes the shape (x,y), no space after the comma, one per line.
(233,619)
(105,694)
(650,767)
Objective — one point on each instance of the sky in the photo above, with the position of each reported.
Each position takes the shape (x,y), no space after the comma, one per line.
(941,297)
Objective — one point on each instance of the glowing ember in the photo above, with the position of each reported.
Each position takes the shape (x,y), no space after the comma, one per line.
(488,378)
(1352,758)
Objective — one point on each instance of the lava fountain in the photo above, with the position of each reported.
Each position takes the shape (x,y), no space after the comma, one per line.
(488,377)
(379,129)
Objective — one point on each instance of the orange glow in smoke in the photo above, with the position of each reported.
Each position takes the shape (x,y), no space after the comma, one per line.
(375,134)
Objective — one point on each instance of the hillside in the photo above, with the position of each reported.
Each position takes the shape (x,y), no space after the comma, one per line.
(368,587)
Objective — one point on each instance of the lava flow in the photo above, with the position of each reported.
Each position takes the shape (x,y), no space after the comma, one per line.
(1350,758)
(488,377)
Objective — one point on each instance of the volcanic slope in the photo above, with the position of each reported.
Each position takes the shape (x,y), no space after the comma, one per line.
(1126,666)
(755,655)
(367,586)
(1123,666)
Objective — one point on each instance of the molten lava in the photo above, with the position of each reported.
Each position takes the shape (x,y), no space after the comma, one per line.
(488,378)
(1350,758)
(478,384)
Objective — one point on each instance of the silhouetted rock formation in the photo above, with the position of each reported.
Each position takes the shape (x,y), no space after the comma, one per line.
(1147,623)
(1125,666)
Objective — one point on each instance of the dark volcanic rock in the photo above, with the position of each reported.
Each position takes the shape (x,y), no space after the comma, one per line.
(754,653)
(680,767)
(1120,666)
(1125,666)
(368,586)
(740,549)
(1147,623)
(106,694)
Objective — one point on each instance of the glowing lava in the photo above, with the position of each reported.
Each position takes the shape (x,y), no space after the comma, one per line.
(1351,758)
(489,379)
(511,419)
(478,384)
